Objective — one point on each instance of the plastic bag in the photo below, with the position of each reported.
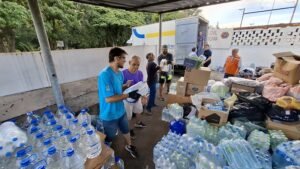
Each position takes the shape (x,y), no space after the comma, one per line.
(295,92)
(197,98)
(273,92)
(246,110)
(220,89)
(265,77)
(256,100)
(278,113)
(245,82)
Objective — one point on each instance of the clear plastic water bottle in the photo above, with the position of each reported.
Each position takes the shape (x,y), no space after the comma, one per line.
(7,161)
(13,134)
(54,160)
(93,144)
(84,116)
(26,163)
(75,127)
(25,153)
(72,160)
(64,142)
(38,143)
(80,148)
(85,127)
(57,133)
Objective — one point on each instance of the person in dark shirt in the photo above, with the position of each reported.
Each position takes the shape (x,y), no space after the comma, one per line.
(207,53)
(165,61)
(152,69)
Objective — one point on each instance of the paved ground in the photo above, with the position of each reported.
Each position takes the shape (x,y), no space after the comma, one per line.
(145,140)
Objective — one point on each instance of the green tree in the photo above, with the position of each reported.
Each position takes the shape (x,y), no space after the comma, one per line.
(12,17)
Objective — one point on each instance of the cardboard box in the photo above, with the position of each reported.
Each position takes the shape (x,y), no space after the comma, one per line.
(193,89)
(291,130)
(197,76)
(177,99)
(214,117)
(287,67)
(236,88)
(181,87)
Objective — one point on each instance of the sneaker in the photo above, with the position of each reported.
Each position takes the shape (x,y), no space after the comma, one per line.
(132,135)
(132,150)
(140,125)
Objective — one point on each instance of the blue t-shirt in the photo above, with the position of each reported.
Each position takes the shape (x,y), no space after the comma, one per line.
(110,83)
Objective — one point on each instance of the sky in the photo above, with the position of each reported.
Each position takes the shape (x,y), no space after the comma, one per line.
(228,15)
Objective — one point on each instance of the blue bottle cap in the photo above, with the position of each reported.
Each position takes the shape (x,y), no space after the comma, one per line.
(58,127)
(84,124)
(70,152)
(34,121)
(40,167)
(117,159)
(14,139)
(51,150)
(75,121)
(47,141)
(65,111)
(39,135)
(67,132)
(61,107)
(90,132)
(33,129)
(25,162)
(50,116)
(68,116)
(8,154)
(73,139)
(1,147)
(52,122)
(21,153)
(47,112)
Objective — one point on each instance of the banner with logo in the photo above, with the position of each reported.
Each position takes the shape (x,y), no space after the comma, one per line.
(219,38)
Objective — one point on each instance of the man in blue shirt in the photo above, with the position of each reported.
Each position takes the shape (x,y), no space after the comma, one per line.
(112,111)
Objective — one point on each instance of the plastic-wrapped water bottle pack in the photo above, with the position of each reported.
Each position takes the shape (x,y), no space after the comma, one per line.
(200,127)
(52,141)
(173,111)
(276,137)
(230,131)
(286,154)
(259,140)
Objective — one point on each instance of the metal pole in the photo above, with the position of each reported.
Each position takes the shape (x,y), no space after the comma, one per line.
(45,48)
(294,11)
(271,12)
(242,16)
(159,32)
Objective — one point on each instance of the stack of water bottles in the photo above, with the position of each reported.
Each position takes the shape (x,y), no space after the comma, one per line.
(185,152)
(259,140)
(286,154)
(230,131)
(52,141)
(239,154)
(173,111)
(200,127)
(276,137)
(217,106)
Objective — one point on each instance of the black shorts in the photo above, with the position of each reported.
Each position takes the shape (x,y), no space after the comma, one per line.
(164,77)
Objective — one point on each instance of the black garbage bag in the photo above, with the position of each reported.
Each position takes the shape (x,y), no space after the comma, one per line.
(246,110)
(280,114)
(256,100)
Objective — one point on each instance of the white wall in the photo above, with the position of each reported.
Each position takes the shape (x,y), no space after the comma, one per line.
(20,72)
(259,55)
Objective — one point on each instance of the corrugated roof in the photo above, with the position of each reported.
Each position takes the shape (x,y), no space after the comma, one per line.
(156,6)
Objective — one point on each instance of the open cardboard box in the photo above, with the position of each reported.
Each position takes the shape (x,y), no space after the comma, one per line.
(287,67)
(181,87)
(291,130)
(197,76)
(215,117)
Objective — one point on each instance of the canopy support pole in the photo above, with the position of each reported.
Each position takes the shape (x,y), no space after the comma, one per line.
(160,33)
(46,51)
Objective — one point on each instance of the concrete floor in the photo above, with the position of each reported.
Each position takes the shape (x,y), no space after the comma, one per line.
(146,139)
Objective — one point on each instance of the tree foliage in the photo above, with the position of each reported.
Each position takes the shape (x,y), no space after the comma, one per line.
(77,25)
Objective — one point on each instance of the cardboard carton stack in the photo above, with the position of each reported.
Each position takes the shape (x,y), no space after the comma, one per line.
(193,81)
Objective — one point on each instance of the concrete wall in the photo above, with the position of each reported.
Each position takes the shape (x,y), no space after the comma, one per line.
(22,72)
(24,84)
